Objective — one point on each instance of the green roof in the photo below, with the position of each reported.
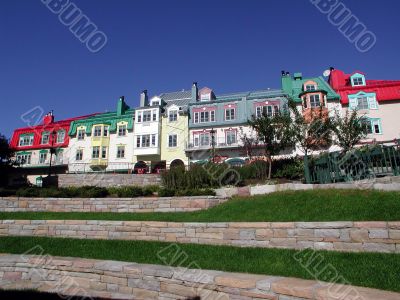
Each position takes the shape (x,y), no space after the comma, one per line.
(294,87)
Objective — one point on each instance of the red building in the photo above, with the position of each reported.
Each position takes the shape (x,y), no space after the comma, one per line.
(377,100)
(35,145)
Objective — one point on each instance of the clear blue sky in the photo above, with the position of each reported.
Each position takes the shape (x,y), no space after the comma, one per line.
(165,45)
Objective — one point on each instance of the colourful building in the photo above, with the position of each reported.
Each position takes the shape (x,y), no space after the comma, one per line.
(218,123)
(103,142)
(377,100)
(35,146)
(174,124)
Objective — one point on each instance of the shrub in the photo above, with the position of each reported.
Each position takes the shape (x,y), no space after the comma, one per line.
(291,168)
(92,192)
(28,192)
(196,192)
(166,192)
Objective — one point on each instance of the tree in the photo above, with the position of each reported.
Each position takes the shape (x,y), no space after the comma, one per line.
(250,143)
(349,130)
(272,133)
(309,133)
(5,160)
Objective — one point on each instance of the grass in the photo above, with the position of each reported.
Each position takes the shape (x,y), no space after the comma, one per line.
(375,270)
(317,205)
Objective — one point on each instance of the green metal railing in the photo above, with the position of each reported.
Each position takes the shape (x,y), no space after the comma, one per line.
(364,163)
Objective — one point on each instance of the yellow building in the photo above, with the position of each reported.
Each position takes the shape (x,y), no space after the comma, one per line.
(174,128)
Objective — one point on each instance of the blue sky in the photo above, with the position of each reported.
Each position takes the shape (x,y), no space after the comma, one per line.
(165,45)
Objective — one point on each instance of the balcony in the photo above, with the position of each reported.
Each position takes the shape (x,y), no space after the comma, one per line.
(146,151)
(98,162)
(220,143)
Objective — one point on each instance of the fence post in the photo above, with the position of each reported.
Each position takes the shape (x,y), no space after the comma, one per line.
(306,169)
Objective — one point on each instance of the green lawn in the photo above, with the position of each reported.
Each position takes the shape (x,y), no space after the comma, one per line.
(318,205)
(375,270)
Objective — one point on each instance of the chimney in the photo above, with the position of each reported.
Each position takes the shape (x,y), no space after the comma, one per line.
(297,76)
(144,100)
(122,106)
(195,92)
(48,119)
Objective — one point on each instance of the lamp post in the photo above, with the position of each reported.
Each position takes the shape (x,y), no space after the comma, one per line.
(52,150)
(212,131)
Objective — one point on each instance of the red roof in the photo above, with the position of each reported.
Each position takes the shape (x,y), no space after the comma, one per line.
(386,90)
(48,126)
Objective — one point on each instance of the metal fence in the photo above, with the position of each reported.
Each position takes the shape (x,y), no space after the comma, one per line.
(364,163)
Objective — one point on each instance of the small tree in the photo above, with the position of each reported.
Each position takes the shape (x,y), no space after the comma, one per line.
(272,132)
(5,159)
(349,130)
(250,143)
(311,133)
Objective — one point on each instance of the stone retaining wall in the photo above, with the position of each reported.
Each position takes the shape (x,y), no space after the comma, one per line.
(391,183)
(338,236)
(124,280)
(148,204)
(108,180)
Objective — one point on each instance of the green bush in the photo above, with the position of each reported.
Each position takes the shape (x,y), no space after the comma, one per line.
(196,192)
(28,192)
(291,168)
(166,192)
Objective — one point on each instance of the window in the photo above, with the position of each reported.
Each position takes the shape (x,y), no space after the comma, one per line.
(81,134)
(146,140)
(156,103)
(205,97)
(79,155)
(362,103)
(173,115)
(147,116)
(24,159)
(121,152)
(42,157)
(45,138)
(358,81)
(267,110)
(26,140)
(204,139)
(155,115)
(97,131)
(139,117)
(196,117)
(229,114)
(122,130)
(204,116)
(60,137)
(105,131)
(372,126)
(103,152)
(138,142)
(231,137)
(153,139)
(172,140)
(212,116)
(59,157)
(311,87)
(196,140)
(315,101)
(96,152)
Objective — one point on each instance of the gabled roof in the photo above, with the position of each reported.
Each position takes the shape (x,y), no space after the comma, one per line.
(296,88)
(176,96)
(385,90)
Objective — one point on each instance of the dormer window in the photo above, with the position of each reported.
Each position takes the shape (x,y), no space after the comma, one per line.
(311,87)
(155,103)
(173,115)
(357,79)
(205,97)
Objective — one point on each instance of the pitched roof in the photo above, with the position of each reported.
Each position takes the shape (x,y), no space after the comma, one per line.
(180,99)
(297,88)
(250,95)
(385,90)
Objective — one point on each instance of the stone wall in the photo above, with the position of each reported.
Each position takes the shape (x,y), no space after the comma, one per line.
(338,236)
(107,179)
(147,204)
(124,280)
(390,183)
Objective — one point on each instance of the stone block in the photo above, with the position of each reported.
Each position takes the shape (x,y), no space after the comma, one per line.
(295,287)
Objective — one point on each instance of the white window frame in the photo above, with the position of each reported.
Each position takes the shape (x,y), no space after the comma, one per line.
(204,136)
(313,103)
(42,157)
(310,87)
(230,132)
(96,131)
(230,114)
(146,116)
(80,134)
(172,140)
(104,152)
(121,151)
(173,115)
(45,134)
(122,130)
(60,134)
(26,140)
(79,155)
(97,156)
(355,81)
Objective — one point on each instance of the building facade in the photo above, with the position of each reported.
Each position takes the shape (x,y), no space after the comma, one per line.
(103,142)
(377,100)
(218,123)
(36,146)
(174,128)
